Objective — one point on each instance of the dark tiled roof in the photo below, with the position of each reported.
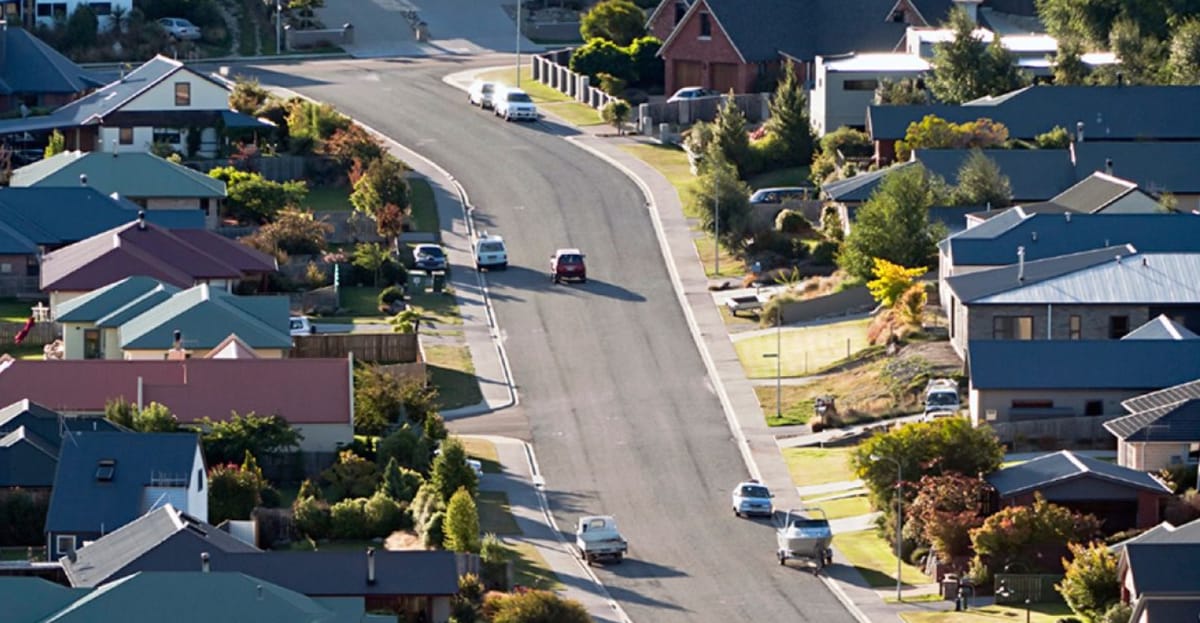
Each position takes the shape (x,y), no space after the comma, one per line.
(1142,365)
(30,66)
(1156,567)
(82,504)
(1062,466)
(1178,422)
(1185,390)
(163,534)
(973,286)
(1057,235)
(1035,174)
(1094,193)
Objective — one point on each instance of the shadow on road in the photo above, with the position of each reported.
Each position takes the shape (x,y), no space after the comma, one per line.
(276,78)
(502,282)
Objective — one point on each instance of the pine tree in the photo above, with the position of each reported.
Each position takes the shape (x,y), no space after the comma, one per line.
(462,523)
(789,121)
(729,135)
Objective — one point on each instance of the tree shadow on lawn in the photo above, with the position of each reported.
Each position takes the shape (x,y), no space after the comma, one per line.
(456,388)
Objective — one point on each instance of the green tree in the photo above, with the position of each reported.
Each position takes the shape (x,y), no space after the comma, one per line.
(1069,68)
(1119,612)
(462,523)
(966,68)
(789,121)
(719,192)
(348,519)
(599,56)
(619,21)
(310,124)
(980,183)
(295,231)
(230,440)
(730,137)
(255,199)
(120,412)
(400,483)
(892,280)
(353,144)
(82,27)
(57,144)
(903,92)
(648,70)
(312,517)
(377,400)
(1143,59)
(1185,53)
(384,515)
(945,510)
(1036,536)
(234,491)
(933,132)
(155,418)
(371,256)
(534,607)
(615,113)
(893,224)
(351,477)
(381,185)
(1090,584)
(408,446)
(451,472)
(248,96)
(1056,138)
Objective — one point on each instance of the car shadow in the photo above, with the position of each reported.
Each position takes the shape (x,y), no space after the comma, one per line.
(501,281)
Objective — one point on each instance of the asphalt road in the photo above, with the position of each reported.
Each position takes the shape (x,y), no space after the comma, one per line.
(618,401)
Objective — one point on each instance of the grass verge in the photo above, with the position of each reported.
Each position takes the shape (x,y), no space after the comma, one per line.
(805,349)
(844,507)
(544,96)
(818,466)
(791,176)
(1038,613)
(424,208)
(530,569)
(574,113)
(439,309)
(483,451)
(671,162)
(797,407)
(328,199)
(873,558)
(452,372)
(495,515)
(361,302)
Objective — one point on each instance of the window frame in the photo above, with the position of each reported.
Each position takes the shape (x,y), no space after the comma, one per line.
(1011,327)
(58,541)
(183,93)
(1075,327)
(1113,326)
(705,25)
(93,348)
(124,136)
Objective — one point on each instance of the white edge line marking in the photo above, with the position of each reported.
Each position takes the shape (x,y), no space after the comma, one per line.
(743,444)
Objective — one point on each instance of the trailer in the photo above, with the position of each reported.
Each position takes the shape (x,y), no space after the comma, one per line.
(804,534)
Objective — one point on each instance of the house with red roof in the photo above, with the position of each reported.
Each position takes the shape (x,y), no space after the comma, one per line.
(315,396)
(180,257)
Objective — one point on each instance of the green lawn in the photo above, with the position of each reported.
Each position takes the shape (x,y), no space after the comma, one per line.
(361,302)
(452,372)
(439,309)
(424,208)
(844,507)
(328,199)
(12,310)
(531,570)
(875,559)
(1038,613)
(729,266)
(483,451)
(792,176)
(671,162)
(575,113)
(805,349)
(818,466)
(797,408)
(495,515)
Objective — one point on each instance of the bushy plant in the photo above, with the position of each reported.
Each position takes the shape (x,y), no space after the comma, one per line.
(1090,584)
(451,472)
(433,534)
(533,607)
(462,523)
(248,96)
(648,67)
(616,21)
(825,253)
(310,124)
(234,491)
(390,295)
(408,446)
(351,477)
(312,517)
(348,519)
(945,510)
(602,56)
(294,231)
(231,439)
(400,483)
(892,280)
(385,515)
(255,199)
(1035,535)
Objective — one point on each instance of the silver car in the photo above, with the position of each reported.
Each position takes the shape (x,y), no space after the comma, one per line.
(480,93)
(179,28)
(752,498)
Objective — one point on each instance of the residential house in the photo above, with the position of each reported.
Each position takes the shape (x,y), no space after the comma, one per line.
(315,396)
(1091,295)
(141,177)
(1120,497)
(1068,389)
(162,101)
(1164,532)
(194,596)
(35,75)
(1157,584)
(50,12)
(107,479)
(182,258)
(30,437)
(845,86)
(1162,428)
(139,318)
(168,540)
(665,17)
(35,221)
(1106,113)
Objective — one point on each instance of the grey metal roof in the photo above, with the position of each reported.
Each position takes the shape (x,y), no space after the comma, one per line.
(333,573)
(1143,278)
(1094,193)
(1163,533)
(861,186)
(1155,166)
(1156,567)
(1062,466)
(48,424)
(26,460)
(935,12)
(165,533)
(994,242)
(1142,365)
(134,174)
(1161,328)
(1152,608)
(30,66)
(81,504)
(206,316)
(1177,422)
(983,284)
(1035,174)
(1184,390)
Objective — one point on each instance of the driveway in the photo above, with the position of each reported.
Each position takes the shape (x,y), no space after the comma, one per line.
(382,30)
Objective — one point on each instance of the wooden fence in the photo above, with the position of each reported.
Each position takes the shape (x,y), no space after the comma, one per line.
(41,334)
(369,347)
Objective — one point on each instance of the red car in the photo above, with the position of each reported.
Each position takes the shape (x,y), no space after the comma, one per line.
(567,264)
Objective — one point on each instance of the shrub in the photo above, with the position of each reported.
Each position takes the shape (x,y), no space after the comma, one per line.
(825,253)
(495,556)
(533,607)
(254,199)
(602,56)
(892,280)
(234,491)
(351,477)
(390,295)
(918,555)
(1041,542)
(451,472)
(377,404)
(613,85)
(293,232)
(408,446)
(348,519)
(400,483)
(1118,613)
(425,503)
(791,222)
(1090,585)
(648,69)
(434,532)
(312,517)
(385,515)
(462,523)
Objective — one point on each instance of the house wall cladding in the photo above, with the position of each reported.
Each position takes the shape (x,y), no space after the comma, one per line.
(1023,434)
(1094,320)
(1152,456)
(1072,402)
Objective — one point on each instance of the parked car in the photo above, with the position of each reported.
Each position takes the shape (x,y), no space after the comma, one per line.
(941,398)
(490,252)
(513,104)
(567,264)
(179,28)
(476,466)
(597,536)
(752,498)
(300,325)
(480,93)
(782,194)
(429,257)
(692,93)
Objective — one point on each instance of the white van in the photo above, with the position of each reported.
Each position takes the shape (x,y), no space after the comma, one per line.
(490,252)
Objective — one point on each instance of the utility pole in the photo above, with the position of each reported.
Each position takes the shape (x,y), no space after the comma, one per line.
(518,44)
(717,228)
(778,362)
(278,26)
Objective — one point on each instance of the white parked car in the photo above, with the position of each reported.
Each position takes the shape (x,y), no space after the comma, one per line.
(179,28)
(692,93)
(476,466)
(490,252)
(752,498)
(300,325)
(480,93)
(513,104)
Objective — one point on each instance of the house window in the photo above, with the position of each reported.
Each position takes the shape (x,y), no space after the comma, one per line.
(183,94)
(32,268)
(680,10)
(1093,407)
(52,9)
(5,268)
(1033,404)
(705,26)
(171,136)
(64,544)
(199,480)
(1076,328)
(860,85)
(204,205)
(125,136)
(101,8)
(1118,326)
(91,344)
(1012,328)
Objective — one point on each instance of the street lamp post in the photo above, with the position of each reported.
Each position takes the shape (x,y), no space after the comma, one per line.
(778,356)
(278,26)
(899,519)
(717,231)
(518,44)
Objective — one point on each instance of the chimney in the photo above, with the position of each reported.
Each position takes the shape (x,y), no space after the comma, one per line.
(1020,264)
(1118,258)
(1108,168)
(1068,215)
(204,562)
(1145,261)
(141,223)
(258,592)
(1079,131)
(1120,79)
(370,565)
(1034,236)
(3,41)
(83,179)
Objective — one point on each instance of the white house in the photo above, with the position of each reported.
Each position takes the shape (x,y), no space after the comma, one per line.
(48,11)
(845,86)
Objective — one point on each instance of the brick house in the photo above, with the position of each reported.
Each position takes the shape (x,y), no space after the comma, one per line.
(1162,429)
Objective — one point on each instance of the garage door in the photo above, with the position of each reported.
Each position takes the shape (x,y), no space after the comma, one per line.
(724,77)
(688,74)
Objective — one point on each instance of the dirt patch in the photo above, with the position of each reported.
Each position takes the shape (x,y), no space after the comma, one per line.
(401,540)
(940,355)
